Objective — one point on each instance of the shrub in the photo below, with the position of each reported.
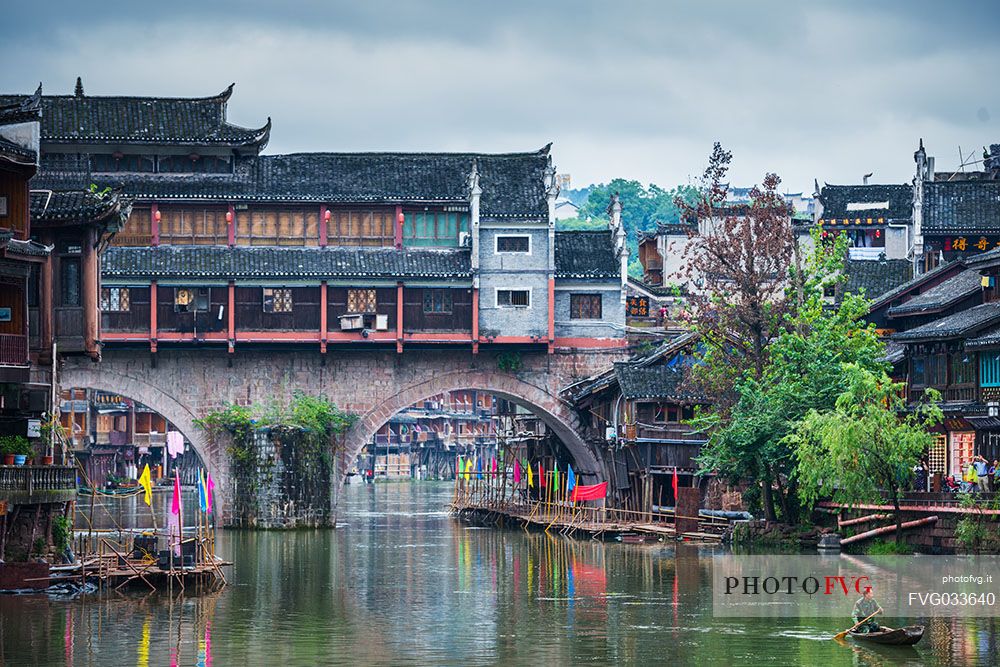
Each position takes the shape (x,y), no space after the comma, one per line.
(880,548)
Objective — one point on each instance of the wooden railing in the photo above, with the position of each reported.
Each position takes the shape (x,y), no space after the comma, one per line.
(31,479)
(13,350)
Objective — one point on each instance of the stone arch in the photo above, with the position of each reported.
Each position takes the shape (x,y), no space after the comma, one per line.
(556,413)
(100,378)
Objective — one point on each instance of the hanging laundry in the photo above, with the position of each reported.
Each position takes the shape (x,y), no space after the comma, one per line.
(175,443)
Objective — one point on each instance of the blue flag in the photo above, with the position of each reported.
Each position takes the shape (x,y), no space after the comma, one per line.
(570,479)
(479,467)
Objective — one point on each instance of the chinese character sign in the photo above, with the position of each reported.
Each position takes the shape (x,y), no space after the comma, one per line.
(637,306)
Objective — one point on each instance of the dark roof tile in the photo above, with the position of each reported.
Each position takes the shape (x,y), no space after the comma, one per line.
(961,207)
(852,202)
(221,262)
(940,296)
(586,254)
(876,277)
(75,206)
(963,323)
(655,382)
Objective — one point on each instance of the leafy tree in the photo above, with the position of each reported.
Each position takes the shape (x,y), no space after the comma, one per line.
(642,208)
(803,371)
(866,446)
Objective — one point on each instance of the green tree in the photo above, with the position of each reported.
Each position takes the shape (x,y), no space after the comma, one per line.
(642,208)
(866,446)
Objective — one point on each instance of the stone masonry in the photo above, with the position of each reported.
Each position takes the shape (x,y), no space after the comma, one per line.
(185,384)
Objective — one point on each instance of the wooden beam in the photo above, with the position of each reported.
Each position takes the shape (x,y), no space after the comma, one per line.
(323,230)
(323,306)
(399,316)
(552,314)
(397,225)
(154,224)
(231,329)
(91,288)
(152,316)
(231,226)
(475,320)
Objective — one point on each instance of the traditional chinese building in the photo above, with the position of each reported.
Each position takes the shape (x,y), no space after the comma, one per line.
(227,246)
(637,411)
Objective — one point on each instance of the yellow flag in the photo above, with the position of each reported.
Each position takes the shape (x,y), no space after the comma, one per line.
(531,477)
(147,484)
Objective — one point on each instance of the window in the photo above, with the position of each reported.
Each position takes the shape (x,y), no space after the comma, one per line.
(114,299)
(585,306)
(361,301)
(963,371)
(521,244)
(190,300)
(277,300)
(989,369)
(434,228)
(194,164)
(937,370)
(437,301)
(118,162)
(513,298)
(69,281)
(937,455)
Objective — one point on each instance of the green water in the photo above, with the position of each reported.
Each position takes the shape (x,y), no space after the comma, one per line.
(402,583)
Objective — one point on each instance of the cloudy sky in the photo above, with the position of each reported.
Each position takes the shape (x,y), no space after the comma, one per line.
(631,89)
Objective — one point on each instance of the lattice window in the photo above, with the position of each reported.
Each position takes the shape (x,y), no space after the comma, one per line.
(361,301)
(189,299)
(585,306)
(518,244)
(937,455)
(989,369)
(437,301)
(115,299)
(277,300)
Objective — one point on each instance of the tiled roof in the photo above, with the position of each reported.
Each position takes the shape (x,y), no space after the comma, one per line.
(269,262)
(988,338)
(660,382)
(849,202)
(27,248)
(882,299)
(894,352)
(74,206)
(16,153)
(586,254)
(960,324)
(992,161)
(876,277)
(961,207)
(940,296)
(142,120)
(513,184)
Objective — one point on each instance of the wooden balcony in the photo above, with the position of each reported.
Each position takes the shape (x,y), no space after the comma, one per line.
(37,484)
(13,350)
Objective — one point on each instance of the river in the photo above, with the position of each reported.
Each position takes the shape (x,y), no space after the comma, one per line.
(401,582)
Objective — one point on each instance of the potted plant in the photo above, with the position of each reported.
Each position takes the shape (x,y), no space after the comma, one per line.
(16,449)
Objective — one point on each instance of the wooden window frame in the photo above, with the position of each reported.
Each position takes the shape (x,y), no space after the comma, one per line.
(198,294)
(116,300)
(578,313)
(508,237)
(446,301)
(277,300)
(366,303)
(509,300)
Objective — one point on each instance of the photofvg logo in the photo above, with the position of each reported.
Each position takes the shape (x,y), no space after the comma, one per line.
(792,585)
(816,586)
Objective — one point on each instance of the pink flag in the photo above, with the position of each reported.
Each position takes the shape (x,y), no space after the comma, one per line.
(175,504)
(210,486)
(494,466)
(517,471)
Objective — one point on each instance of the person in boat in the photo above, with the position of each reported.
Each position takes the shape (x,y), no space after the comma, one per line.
(865,607)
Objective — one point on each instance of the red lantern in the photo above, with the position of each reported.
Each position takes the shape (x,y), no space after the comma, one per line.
(878,233)
(400,217)
(326,215)
(156,215)
(229,216)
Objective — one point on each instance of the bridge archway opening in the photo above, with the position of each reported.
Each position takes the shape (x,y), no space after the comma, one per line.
(515,406)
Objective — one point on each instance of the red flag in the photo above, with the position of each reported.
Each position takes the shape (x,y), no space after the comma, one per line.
(589,492)
(541,474)
(517,471)
(175,504)
(675,485)
(209,491)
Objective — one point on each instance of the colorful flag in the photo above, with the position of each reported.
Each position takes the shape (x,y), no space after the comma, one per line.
(570,479)
(517,471)
(202,491)
(468,468)
(146,483)
(531,477)
(541,475)
(675,486)
(555,479)
(591,492)
(459,467)
(209,491)
(479,468)
(175,504)
(494,465)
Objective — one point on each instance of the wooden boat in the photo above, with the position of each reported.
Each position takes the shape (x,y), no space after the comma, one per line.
(907,636)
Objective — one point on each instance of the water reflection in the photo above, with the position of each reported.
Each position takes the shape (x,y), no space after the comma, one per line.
(402,583)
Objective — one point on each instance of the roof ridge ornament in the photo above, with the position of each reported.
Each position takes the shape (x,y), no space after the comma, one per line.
(227,93)
(475,189)
(78,90)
